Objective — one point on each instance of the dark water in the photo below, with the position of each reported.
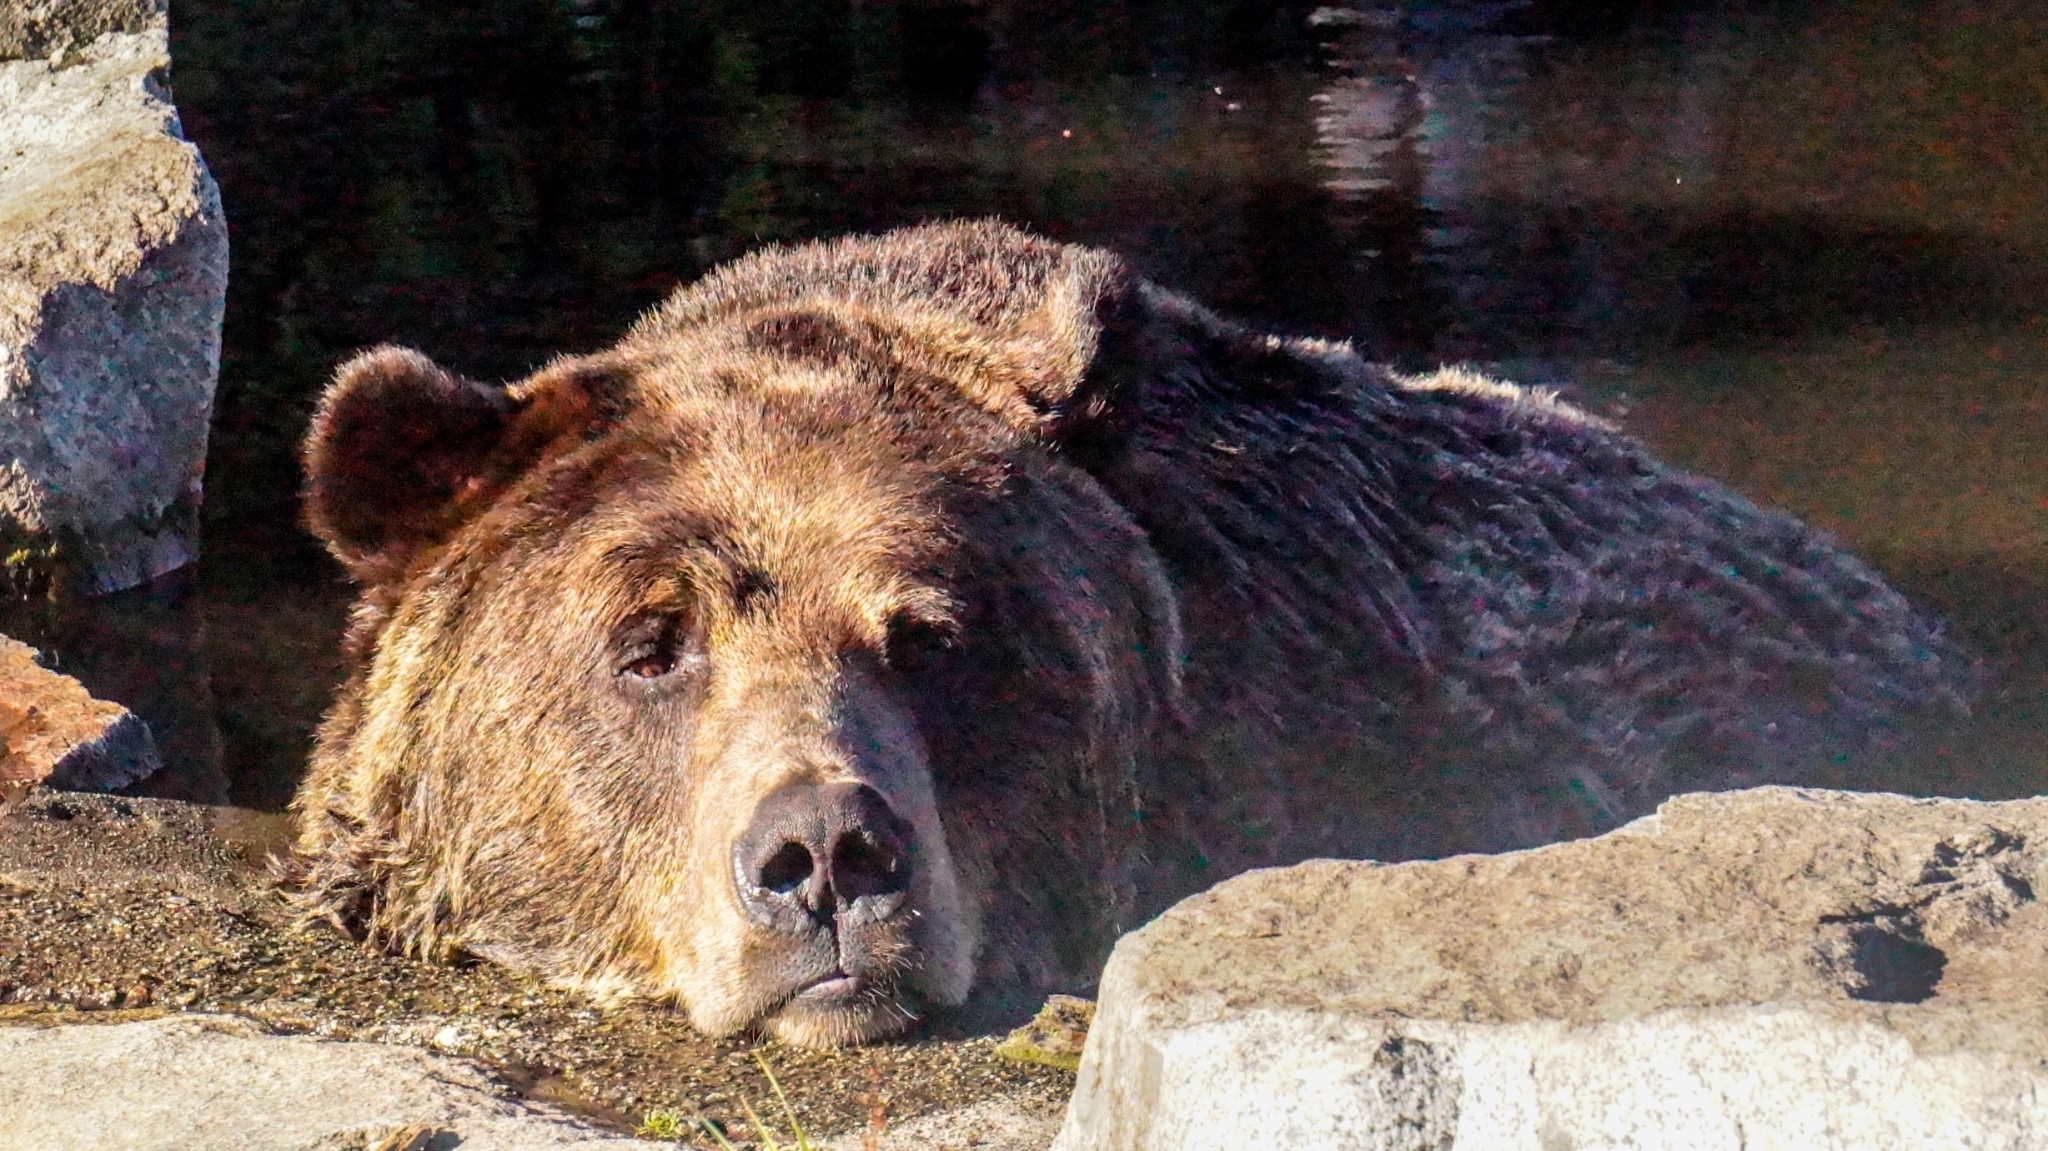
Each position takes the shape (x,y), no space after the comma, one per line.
(1800,247)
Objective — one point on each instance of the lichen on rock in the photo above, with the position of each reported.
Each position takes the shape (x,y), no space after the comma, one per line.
(1053,1037)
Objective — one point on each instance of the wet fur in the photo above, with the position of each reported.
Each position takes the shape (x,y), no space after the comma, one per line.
(1215,598)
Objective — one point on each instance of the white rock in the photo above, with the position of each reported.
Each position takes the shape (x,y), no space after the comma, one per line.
(217,1083)
(1774,969)
(113,275)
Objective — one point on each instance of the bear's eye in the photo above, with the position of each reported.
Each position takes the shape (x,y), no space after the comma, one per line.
(915,645)
(656,649)
(652,666)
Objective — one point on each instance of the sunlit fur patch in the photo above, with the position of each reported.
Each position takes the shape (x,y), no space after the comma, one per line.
(1535,401)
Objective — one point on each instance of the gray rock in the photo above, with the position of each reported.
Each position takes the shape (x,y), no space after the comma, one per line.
(113,273)
(53,731)
(39,29)
(205,1082)
(990,1125)
(1766,969)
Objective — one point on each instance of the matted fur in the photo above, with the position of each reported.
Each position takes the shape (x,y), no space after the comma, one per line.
(1107,596)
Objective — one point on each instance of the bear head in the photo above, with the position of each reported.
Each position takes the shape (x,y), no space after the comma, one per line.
(780,661)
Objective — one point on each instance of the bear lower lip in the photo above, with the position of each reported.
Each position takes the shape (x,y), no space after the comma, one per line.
(836,986)
(838,1009)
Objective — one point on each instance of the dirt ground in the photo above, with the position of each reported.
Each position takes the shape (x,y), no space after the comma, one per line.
(113,905)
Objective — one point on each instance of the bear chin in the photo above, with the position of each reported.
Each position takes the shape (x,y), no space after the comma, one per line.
(841,1012)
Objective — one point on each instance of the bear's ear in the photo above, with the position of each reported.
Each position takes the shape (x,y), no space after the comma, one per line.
(1139,337)
(402,452)
(1157,356)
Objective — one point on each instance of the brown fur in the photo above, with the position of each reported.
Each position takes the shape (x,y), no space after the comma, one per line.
(1105,596)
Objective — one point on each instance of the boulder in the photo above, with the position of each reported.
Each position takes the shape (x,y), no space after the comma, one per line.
(113,273)
(53,731)
(1775,968)
(985,1125)
(39,29)
(216,1081)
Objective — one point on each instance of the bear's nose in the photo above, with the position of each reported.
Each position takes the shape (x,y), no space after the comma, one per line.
(816,852)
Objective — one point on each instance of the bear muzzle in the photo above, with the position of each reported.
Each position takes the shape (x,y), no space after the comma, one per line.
(824,872)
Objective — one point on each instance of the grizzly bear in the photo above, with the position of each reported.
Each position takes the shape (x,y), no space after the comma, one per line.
(894,617)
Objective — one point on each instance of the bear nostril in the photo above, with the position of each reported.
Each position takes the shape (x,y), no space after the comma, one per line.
(863,866)
(787,870)
(816,852)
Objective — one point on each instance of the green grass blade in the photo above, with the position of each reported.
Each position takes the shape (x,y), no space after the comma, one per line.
(803,1142)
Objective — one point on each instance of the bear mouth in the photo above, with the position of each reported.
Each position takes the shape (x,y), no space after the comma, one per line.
(837,1009)
(835,986)
(848,980)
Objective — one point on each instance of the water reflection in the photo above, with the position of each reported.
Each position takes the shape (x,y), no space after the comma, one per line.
(1713,173)
(1423,94)
(1749,222)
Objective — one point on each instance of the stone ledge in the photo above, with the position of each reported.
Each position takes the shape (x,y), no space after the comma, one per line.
(113,275)
(216,1081)
(1773,968)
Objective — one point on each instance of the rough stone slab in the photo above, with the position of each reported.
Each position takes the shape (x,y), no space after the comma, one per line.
(53,731)
(1766,969)
(218,1083)
(113,275)
(990,1125)
(38,29)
